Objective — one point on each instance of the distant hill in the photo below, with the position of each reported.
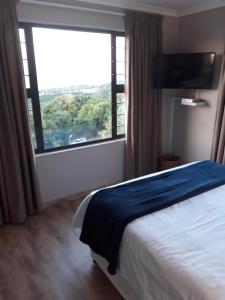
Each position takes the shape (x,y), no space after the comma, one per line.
(46,95)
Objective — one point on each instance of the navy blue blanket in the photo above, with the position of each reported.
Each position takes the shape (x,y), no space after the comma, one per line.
(111,209)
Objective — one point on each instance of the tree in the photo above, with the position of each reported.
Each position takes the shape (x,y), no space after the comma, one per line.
(76,116)
(96,112)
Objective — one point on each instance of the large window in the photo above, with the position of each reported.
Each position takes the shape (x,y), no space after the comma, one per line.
(75,85)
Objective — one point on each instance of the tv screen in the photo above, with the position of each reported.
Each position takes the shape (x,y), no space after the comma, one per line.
(184,71)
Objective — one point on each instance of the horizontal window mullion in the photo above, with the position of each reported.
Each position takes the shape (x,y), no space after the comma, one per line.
(74,146)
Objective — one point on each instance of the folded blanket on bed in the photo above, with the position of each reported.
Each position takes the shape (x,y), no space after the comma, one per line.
(111,209)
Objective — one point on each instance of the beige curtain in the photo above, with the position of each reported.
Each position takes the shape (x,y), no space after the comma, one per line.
(143,42)
(19,193)
(218,150)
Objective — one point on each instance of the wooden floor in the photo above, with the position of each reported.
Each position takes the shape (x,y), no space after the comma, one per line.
(44,260)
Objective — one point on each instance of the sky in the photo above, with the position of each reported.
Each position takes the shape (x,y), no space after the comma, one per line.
(65,58)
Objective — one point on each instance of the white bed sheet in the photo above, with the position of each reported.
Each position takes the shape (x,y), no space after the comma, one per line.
(175,253)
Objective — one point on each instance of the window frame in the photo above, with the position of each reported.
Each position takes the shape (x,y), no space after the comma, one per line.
(33,92)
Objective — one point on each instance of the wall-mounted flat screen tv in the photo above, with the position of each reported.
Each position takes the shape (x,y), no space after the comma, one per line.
(184,71)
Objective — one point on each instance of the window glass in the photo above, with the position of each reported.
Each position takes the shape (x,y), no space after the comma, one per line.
(22,35)
(25,67)
(24,57)
(31,122)
(74,80)
(120,42)
(120,60)
(71,89)
(120,113)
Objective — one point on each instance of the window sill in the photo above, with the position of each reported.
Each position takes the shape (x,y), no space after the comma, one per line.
(80,147)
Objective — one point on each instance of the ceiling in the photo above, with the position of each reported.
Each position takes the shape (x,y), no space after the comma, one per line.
(166,7)
(176,4)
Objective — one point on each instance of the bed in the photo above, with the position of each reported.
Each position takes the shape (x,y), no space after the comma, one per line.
(175,253)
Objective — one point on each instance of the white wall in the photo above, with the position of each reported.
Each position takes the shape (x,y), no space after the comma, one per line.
(68,17)
(193,127)
(68,172)
(71,171)
(170,43)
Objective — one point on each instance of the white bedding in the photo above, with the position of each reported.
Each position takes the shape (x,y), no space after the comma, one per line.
(175,253)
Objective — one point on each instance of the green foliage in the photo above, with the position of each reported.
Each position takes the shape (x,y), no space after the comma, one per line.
(78,115)
(60,112)
(44,99)
(95,112)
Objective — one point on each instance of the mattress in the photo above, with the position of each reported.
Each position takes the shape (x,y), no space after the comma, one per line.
(175,253)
